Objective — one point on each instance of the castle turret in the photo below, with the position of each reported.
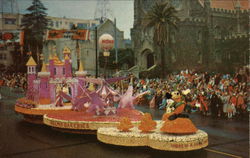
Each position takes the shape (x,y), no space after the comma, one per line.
(31,71)
(80,74)
(44,91)
(67,65)
(51,66)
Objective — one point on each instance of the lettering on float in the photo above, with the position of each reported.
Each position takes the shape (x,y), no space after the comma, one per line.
(194,144)
(69,125)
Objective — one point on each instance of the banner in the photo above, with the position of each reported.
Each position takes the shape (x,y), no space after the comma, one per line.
(70,34)
(9,36)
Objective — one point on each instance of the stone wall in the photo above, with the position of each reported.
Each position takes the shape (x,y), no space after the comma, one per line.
(201,41)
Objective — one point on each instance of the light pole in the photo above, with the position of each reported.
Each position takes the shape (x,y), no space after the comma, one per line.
(96,52)
(106,56)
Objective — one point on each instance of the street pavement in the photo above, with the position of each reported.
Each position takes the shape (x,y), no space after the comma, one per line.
(19,139)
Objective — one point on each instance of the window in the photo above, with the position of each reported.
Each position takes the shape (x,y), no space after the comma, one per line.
(51,23)
(10,21)
(60,22)
(230,31)
(71,25)
(93,25)
(1,56)
(57,24)
(217,32)
(64,71)
(82,25)
(199,36)
(173,37)
(33,69)
(54,71)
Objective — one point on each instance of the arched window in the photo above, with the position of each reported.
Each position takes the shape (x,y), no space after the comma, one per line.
(54,71)
(199,36)
(217,31)
(230,31)
(173,37)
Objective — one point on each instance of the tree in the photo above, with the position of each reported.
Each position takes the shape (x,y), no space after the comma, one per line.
(161,17)
(34,25)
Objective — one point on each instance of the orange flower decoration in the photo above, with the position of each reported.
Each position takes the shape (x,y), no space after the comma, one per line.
(147,124)
(125,124)
(179,126)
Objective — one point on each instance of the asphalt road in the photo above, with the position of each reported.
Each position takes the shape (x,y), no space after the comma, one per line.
(19,139)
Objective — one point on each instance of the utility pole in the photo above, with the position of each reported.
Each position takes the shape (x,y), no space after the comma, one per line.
(116,52)
(96,53)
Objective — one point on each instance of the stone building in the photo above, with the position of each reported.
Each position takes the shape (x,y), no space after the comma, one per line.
(86,48)
(212,35)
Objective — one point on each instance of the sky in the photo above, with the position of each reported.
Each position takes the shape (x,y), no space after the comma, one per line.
(122,10)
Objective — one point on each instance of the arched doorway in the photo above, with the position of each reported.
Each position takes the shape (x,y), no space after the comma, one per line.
(150,60)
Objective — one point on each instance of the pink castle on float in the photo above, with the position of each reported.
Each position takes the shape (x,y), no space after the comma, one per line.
(56,76)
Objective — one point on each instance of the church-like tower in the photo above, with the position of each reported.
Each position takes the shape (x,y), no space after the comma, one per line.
(31,71)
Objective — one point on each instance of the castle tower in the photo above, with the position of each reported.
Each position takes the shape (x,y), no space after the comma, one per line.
(44,91)
(67,65)
(51,66)
(31,71)
(80,74)
(208,33)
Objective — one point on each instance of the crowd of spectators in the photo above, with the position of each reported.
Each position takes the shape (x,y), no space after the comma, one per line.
(218,95)
(13,80)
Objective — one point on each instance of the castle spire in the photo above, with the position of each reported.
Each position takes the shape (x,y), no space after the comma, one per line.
(50,56)
(44,69)
(31,62)
(80,67)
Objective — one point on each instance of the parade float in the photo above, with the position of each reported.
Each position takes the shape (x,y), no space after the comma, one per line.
(94,108)
(47,88)
(175,132)
(58,99)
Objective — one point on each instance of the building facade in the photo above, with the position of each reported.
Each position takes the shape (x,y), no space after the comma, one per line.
(85,50)
(212,35)
(10,22)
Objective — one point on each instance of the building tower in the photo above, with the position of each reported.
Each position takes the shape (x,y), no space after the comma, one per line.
(67,66)
(31,72)
(44,92)
(238,7)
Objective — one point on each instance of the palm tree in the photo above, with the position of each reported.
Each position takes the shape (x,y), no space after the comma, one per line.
(161,17)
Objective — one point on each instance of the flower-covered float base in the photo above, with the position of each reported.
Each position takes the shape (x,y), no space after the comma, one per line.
(155,139)
(33,114)
(78,122)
